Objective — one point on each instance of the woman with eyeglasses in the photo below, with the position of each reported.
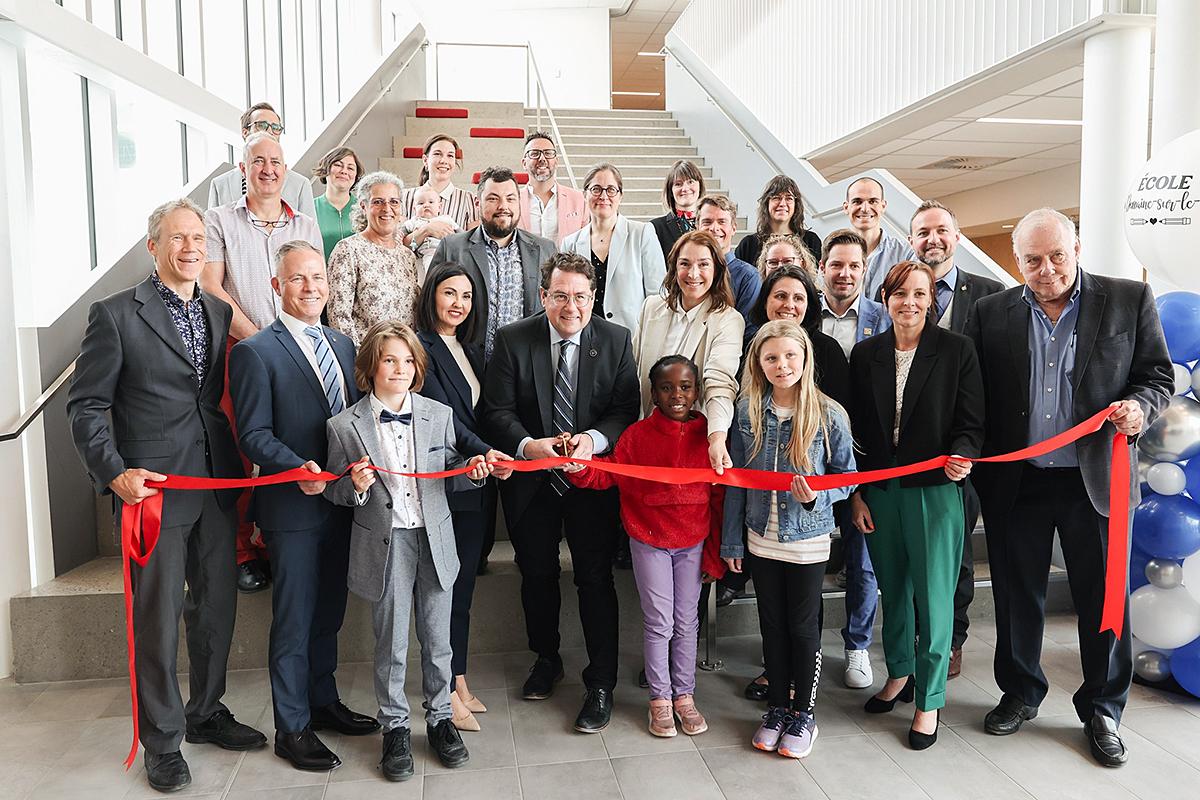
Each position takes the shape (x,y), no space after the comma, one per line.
(625,254)
(440,159)
(339,171)
(785,250)
(682,191)
(372,275)
(780,210)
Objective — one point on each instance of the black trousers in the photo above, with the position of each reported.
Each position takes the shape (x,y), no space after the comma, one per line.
(789,612)
(470,534)
(964,592)
(308,604)
(202,555)
(1020,543)
(589,520)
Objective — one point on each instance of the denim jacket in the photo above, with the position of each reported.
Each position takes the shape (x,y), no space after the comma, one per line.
(749,508)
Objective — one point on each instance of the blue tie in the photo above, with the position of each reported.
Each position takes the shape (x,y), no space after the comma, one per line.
(327,366)
(388,416)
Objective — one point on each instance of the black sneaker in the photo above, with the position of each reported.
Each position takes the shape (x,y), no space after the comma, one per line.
(397,761)
(446,741)
(224,731)
(167,772)
(542,676)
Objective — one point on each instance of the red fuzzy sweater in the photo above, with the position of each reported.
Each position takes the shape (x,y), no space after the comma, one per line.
(666,515)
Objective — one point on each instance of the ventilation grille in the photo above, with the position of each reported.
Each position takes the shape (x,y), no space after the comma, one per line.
(966,162)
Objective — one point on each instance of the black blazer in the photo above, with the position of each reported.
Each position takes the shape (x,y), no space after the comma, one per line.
(518,393)
(668,230)
(1120,353)
(750,247)
(281,409)
(943,402)
(970,288)
(133,366)
(831,369)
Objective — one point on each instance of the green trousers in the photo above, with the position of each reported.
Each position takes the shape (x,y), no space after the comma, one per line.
(916,550)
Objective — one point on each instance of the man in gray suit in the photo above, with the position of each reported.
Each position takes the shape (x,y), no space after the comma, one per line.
(153,358)
(501,257)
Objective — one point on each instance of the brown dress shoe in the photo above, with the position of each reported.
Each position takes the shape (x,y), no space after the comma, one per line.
(955,663)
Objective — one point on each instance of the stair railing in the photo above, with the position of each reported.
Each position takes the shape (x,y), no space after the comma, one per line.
(543,98)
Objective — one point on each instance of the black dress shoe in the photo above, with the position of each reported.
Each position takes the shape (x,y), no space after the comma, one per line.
(542,676)
(1007,717)
(875,705)
(726,595)
(167,772)
(251,577)
(446,741)
(224,731)
(1105,743)
(305,751)
(643,683)
(757,691)
(596,711)
(923,741)
(397,761)
(622,559)
(336,717)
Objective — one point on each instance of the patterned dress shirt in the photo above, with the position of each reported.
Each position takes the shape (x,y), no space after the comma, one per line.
(191,322)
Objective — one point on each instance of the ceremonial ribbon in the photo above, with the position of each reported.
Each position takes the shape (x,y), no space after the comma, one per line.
(142,522)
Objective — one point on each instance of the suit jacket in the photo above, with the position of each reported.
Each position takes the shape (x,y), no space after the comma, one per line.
(668,230)
(297,191)
(518,393)
(714,342)
(570,206)
(281,409)
(831,369)
(133,366)
(970,288)
(1120,354)
(873,319)
(352,435)
(636,268)
(468,250)
(942,411)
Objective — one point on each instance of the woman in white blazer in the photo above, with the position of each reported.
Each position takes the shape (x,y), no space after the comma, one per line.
(626,255)
(694,316)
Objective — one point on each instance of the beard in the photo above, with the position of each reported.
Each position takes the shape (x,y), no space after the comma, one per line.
(499,227)
(933,262)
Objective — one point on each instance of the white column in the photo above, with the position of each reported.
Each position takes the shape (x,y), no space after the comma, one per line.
(1176,67)
(1116,108)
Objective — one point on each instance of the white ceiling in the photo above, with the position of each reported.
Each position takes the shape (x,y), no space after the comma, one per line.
(643,28)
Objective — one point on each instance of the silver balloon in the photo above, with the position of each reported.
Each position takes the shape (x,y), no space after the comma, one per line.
(1152,665)
(1174,436)
(1166,478)
(1164,573)
(1183,379)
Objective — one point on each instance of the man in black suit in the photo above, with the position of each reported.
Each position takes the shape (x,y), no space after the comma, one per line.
(153,358)
(565,372)
(286,381)
(502,258)
(933,234)
(1054,352)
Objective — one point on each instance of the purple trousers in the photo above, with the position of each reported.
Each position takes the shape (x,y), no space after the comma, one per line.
(668,583)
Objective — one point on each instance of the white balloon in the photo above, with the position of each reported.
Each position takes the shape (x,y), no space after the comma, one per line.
(1161,210)
(1191,575)
(1183,379)
(1140,647)
(1196,379)
(1166,478)
(1164,618)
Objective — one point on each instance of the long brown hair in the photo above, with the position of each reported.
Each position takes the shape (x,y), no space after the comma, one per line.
(429,143)
(720,294)
(780,184)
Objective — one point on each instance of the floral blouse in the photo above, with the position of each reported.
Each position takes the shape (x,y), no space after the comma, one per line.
(369,284)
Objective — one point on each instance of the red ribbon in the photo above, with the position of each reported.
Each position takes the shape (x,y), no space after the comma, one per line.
(141,523)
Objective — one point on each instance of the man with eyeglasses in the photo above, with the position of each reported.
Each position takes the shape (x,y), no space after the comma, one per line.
(567,374)
(226,188)
(864,206)
(243,237)
(548,208)
(502,258)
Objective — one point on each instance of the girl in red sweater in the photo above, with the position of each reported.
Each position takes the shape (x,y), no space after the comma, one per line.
(674,537)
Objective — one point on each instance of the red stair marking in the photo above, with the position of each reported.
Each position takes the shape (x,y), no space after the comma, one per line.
(442,113)
(497,133)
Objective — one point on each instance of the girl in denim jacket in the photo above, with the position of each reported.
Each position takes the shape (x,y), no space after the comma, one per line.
(784,423)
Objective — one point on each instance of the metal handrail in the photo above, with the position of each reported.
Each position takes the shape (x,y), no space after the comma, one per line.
(39,405)
(541,95)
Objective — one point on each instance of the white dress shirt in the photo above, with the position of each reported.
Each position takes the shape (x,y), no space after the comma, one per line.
(599,440)
(399,455)
(544,218)
(843,328)
(296,328)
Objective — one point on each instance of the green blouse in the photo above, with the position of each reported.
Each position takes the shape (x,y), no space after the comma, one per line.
(334,224)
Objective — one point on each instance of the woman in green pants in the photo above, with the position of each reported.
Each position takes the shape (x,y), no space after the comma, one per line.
(916,392)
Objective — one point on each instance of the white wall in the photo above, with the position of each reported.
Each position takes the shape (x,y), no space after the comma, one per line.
(571,46)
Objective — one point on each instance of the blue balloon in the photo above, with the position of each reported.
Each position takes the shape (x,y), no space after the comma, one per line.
(1167,526)
(1185,666)
(1137,569)
(1191,471)
(1179,313)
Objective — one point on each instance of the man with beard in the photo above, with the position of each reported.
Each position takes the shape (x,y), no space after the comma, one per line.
(934,237)
(501,258)
(865,206)
(548,208)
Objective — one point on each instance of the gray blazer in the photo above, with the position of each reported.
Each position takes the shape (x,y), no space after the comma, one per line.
(352,436)
(469,251)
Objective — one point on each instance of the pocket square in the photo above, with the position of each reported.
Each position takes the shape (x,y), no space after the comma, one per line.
(435,448)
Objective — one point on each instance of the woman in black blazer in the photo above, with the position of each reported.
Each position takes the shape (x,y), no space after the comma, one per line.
(916,392)
(446,326)
(681,195)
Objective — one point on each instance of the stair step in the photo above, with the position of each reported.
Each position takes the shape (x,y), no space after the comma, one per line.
(632,129)
(630,172)
(661,163)
(603,113)
(588,141)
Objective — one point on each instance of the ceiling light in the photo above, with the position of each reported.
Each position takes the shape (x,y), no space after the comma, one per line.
(655,53)
(638,94)
(1006,226)
(1030,121)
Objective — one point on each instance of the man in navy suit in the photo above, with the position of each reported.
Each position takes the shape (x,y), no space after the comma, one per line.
(286,381)
(849,317)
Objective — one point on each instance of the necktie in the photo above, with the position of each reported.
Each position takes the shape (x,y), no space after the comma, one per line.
(327,366)
(386,416)
(563,417)
(943,297)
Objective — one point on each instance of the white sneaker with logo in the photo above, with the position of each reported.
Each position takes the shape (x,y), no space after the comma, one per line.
(858,670)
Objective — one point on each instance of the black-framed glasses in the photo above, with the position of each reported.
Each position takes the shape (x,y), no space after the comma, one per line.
(611,191)
(263,126)
(536,154)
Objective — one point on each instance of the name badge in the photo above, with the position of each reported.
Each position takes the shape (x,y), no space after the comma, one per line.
(867,332)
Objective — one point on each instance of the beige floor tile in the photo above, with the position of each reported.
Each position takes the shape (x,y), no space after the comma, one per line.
(743,773)
(578,780)
(265,770)
(288,793)
(492,746)
(75,703)
(410,789)
(1169,727)
(493,784)
(543,729)
(949,770)
(627,733)
(853,767)
(666,775)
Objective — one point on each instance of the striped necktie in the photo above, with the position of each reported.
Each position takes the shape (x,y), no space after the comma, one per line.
(563,417)
(328,367)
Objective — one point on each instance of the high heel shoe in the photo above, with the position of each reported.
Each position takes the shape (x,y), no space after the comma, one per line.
(923,741)
(877,706)
(461,716)
(472,703)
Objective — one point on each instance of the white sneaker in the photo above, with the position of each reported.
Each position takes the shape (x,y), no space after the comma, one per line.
(858,670)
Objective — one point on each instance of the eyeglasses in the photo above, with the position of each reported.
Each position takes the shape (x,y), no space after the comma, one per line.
(273,224)
(263,126)
(579,300)
(596,191)
(380,202)
(789,197)
(534,155)
(776,263)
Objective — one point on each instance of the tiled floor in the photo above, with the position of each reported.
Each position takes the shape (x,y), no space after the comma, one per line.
(67,741)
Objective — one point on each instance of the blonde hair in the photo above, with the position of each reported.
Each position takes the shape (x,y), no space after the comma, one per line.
(370,353)
(810,406)
(807,262)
